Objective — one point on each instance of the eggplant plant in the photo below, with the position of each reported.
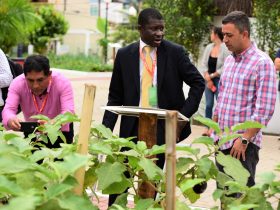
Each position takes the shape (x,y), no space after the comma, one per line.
(26,184)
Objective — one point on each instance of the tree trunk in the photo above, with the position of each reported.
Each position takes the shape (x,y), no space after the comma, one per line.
(227,6)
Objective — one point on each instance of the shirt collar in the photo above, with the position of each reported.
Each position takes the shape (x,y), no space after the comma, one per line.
(143,44)
(245,53)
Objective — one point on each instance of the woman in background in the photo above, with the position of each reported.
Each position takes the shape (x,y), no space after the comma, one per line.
(213,60)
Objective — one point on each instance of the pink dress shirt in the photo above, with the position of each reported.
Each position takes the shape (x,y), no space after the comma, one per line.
(60,99)
(247,91)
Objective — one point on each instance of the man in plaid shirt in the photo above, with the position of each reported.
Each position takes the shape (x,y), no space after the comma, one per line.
(247,91)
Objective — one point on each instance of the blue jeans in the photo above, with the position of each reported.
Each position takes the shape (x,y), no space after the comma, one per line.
(209,96)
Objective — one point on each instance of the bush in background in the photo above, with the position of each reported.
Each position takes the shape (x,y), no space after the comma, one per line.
(79,63)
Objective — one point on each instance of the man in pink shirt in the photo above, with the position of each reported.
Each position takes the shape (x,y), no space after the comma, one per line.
(247,91)
(39,91)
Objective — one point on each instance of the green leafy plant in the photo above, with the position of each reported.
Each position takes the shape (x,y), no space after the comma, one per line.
(54,26)
(267,25)
(17,20)
(79,62)
(193,170)
(26,184)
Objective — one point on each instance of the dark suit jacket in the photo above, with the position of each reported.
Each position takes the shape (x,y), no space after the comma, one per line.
(173,68)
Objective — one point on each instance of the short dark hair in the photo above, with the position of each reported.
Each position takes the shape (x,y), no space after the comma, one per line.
(147,14)
(239,19)
(36,63)
(218,31)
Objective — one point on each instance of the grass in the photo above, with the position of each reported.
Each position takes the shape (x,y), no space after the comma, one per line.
(78,62)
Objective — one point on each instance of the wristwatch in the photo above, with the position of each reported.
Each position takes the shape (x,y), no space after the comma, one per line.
(212,75)
(244,141)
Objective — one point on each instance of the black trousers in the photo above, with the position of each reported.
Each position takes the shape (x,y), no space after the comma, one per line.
(250,163)
(68,135)
(1,109)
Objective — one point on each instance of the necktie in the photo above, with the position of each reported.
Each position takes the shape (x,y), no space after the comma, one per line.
(147,78)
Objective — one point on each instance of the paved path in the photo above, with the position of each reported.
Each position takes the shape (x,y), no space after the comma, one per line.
(269,154)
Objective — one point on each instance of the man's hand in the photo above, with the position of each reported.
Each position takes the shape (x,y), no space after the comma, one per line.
(210,84)
(238,149)
(14,124)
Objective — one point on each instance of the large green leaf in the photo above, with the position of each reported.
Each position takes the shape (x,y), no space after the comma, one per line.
(233,168)
(242,206)
(118,187)
(217,194)
(52,131)
(181,205)
(227,138)
(100,147)
(191,195)
(188,149)
(189,184)
(152,171)
(103,131)
(121,142)
(144,204)
(9,187)
(109,173)
(246,125)
(74,202)
(155,150)
(23,145)
(203,140)
(90,177)
(122,200)
(222,178)
(183,164)
(11,163)
(25,202)
(57,189)
(70,164)
(204,165)
(209,123)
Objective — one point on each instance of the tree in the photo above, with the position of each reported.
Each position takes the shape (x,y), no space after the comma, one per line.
(227,6)
(127,33)
(17,20)
(187,21)
(267,25)
(54,25)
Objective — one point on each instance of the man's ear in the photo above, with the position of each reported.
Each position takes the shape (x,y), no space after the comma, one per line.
(246,34)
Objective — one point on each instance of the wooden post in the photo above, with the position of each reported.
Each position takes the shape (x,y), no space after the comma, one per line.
(84,132)
(147,131)
(170,154)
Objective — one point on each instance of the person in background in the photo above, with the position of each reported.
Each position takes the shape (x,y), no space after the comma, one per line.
(247,92)
(277,67)
(39,91)
(160,67)
(6,78)
(214,56)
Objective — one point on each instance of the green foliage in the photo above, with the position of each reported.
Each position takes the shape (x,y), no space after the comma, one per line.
(187,21)
(78,62)
(54,26)
(126,33)
(29,185)
(267,14)
(17,21)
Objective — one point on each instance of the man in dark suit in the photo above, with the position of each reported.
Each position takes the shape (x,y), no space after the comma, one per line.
(170,68)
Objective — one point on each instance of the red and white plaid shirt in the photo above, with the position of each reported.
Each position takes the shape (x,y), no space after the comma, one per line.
(247,91)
